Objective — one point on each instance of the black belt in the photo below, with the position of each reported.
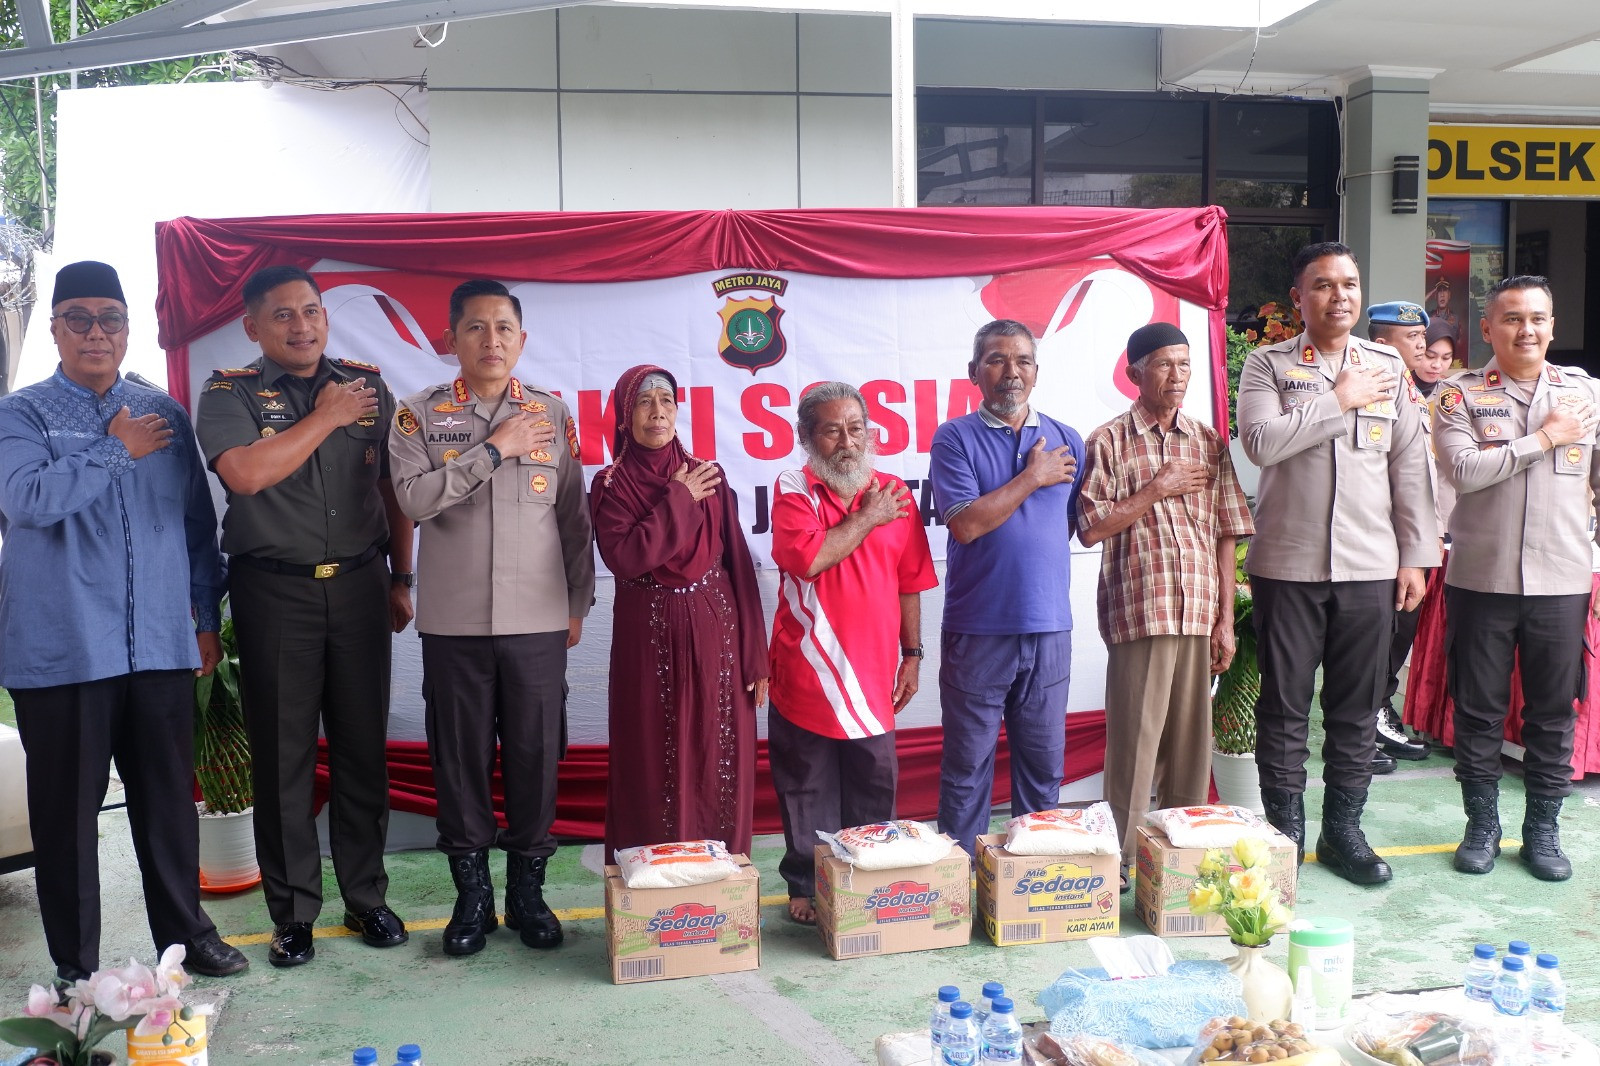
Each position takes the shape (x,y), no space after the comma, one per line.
(331,568)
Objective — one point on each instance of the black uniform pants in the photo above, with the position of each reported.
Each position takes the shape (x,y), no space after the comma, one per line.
(70,734)
(1405,635)
(1345,627)
(481,692)
(315,651)
(1485,634)
(828,784)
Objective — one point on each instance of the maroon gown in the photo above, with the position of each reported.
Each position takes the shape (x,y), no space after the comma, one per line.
(687,637)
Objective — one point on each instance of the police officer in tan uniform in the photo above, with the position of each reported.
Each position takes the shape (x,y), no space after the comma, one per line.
(297,439)
(505,581)
(1516,438)
(1344,526)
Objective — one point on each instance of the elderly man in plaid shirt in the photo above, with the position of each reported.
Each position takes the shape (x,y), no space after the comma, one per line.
(1160,491)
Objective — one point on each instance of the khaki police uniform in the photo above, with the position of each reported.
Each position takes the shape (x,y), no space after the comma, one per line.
(1521,563)
(1344,501)
(309,591)
(505,562)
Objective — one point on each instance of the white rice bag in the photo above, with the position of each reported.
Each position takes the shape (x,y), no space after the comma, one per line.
(687,862)
(1089,831)
(889,845)
(1215,825)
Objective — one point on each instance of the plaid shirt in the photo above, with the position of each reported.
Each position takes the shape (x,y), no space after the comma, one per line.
(1159,576)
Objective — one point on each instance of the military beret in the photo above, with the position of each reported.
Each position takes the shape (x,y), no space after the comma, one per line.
(1397,313)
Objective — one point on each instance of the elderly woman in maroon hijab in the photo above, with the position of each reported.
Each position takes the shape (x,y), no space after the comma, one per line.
(688,648)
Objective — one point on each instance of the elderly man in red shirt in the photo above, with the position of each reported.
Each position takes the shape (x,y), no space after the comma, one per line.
(847,637)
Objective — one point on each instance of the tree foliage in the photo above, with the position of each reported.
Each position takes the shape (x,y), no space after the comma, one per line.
(27,189)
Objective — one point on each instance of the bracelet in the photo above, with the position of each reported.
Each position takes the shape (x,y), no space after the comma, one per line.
(911,653)
(494,454)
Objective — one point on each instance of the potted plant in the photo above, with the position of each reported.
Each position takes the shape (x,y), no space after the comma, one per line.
(1233,705)
(64,1024)
(222,768)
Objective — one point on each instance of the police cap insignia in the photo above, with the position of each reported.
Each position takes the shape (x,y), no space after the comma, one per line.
(1397,313)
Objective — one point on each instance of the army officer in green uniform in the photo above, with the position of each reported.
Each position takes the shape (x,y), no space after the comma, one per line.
(298,441)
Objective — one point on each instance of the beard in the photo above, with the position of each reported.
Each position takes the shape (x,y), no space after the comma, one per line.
(1006,406)
(847,471)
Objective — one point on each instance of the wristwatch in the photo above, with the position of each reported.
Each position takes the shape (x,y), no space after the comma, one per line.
(911,653)
(407,578)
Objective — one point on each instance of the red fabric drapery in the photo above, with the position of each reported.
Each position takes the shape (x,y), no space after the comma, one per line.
(581,790)
(202,262)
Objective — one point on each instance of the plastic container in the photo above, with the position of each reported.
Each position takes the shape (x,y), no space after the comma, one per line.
(1478,983)
(980,1009)
(408,1055)
(1511,994)
(1523,948)
(364,1056)
(1002,1035)
(960,1046)
(1547,1009)
(940,1021)
(1326,947)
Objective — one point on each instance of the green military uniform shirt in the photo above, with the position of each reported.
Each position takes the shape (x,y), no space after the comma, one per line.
(330,507)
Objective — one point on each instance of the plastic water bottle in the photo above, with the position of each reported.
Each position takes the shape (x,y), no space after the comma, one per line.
(992,990)
(1481,972)
(940,1021)
(960,1047)
(364,1056)
(1547,1008)
(1523,948)
(1511,994)
(1002,1035)
(408,1055)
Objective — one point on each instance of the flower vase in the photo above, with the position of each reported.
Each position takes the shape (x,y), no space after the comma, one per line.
(1268,992)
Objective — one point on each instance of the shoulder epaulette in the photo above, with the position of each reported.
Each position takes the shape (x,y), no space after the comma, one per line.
(238,372)
(356,364)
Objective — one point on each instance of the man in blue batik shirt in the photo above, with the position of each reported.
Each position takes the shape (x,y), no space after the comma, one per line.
(110,582)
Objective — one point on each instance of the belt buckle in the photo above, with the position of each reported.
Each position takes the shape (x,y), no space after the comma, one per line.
(324,570)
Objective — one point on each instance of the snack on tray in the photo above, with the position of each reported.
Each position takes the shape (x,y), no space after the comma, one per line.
(1214,825)
(687,862)
(1089,831)
(1235,1039)
(1081,1050)
(1424,1038)
(889,845)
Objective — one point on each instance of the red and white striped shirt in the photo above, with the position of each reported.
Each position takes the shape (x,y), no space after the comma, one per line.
(836,637)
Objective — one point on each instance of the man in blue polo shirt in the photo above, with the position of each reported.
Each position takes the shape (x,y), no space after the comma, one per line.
(1004,479)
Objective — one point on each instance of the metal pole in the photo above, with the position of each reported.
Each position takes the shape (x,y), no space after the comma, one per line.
(72,31)
(44,174)
(903,101)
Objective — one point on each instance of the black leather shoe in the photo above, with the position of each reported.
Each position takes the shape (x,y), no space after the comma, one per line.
(1381,764)
(473,918)
(380,927)
(291,944)
(207,954)
(1392,739)
(70,975)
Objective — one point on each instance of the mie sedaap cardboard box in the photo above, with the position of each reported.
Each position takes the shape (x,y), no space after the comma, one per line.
(1043,899)
(881,912)
(1166,874)
(655,934)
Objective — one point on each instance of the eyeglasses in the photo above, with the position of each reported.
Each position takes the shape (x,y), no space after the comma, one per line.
(83,321)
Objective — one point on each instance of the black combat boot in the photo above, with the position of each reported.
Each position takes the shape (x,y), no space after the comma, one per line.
(1341,846)
(1286,812)
(474,917)
(1541,839)
(1480,843)
(525,907)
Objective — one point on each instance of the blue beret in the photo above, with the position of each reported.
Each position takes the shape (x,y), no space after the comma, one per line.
(1397,313)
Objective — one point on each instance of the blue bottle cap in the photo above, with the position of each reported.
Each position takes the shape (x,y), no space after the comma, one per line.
(1001,1005)
(1519,947)
(364,1056)
(1548,961)
(949,994)
(992,989)
(1484,951)
(961,1009)
(1512,963)
(409,1053)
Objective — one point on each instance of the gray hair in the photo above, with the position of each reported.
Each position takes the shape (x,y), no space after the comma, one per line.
(829,391)
(1000,327)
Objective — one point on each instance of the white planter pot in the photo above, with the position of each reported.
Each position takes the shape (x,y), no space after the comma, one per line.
(1236,780)
(227,851)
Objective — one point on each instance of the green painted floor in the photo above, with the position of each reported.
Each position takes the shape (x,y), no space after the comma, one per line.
(511,1006)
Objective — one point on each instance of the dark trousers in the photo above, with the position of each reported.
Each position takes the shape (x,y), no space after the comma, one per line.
(1345,627)
(826,784)
(1405,635)
(481,692)
(70,733)
(1020,679)
(313,651)
(1485,633)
